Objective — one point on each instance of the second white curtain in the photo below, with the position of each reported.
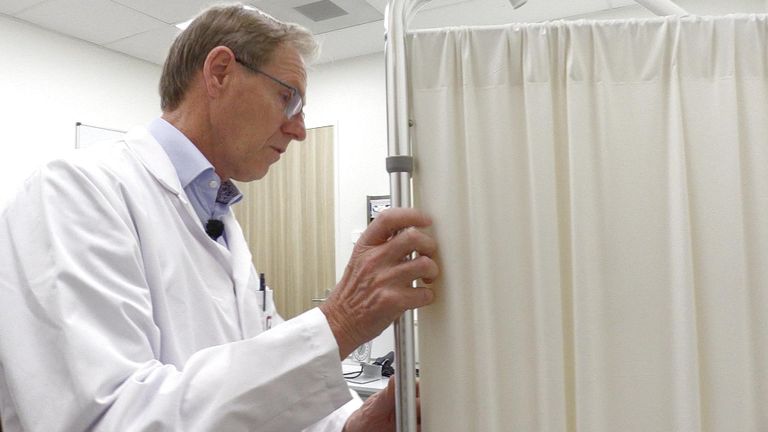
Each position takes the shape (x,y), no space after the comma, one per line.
(288,220)
(600,195)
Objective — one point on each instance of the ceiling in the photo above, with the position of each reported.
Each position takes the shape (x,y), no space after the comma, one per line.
(345,28)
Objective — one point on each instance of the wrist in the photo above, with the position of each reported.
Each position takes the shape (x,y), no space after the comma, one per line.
(340,331)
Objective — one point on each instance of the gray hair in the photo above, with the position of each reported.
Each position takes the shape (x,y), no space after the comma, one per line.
(251,34)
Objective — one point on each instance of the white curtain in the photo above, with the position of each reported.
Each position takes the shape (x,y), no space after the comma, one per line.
(288,220)
(600,195)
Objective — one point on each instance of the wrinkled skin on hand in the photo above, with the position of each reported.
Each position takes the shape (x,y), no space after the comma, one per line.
(376,287)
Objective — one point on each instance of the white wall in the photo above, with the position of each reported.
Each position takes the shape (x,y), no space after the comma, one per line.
(351,95)
(48,82)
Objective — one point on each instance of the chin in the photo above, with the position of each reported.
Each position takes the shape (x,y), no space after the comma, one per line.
(250,176)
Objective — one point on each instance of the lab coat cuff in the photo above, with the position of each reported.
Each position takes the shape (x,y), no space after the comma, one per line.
(336,421)
(322,341)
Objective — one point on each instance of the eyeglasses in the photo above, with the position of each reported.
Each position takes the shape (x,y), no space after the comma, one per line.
(295,103)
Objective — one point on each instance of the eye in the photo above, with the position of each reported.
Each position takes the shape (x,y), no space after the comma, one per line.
(286,96)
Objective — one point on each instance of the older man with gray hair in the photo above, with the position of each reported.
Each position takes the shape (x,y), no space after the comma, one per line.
(129,301)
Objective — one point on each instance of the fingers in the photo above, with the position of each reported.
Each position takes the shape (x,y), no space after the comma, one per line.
(418,413)
(390,390)
(404,272)
(412,298)
(397,247)
(376,286)
(378,413)
(410,240)
(389,222)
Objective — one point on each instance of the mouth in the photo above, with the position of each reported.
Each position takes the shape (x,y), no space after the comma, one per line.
(277,149)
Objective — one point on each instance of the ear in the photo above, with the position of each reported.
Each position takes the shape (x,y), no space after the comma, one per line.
(217,69)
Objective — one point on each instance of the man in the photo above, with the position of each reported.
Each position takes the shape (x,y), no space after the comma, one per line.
(124,308)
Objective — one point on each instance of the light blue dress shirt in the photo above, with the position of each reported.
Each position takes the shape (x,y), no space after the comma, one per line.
(209,197)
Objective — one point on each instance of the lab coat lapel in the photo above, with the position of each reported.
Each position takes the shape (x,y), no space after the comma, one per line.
(242,271)
(236,260)
(154,159)
(159,165)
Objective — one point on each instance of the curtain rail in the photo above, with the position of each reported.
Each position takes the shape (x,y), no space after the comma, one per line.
(662,7)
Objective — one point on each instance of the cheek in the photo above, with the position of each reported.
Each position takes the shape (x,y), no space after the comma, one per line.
(265,121)
(253,150)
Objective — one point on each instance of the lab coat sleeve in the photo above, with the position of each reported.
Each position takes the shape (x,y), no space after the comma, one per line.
(335,422)
(79,346)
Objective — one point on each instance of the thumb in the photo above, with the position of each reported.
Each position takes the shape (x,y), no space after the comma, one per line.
(390,390)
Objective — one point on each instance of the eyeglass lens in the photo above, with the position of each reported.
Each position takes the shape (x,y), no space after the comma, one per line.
(295,104)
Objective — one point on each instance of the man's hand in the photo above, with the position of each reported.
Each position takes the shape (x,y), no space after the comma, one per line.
(376,287)
(378,412)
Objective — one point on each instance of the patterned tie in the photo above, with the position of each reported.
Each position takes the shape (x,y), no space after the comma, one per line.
(227,191)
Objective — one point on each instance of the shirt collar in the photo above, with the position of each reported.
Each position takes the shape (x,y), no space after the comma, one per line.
(185,156)
(191,165)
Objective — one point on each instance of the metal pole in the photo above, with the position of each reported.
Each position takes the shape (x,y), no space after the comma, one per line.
(400,165)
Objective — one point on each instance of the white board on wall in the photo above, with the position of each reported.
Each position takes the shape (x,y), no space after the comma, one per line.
(89,135)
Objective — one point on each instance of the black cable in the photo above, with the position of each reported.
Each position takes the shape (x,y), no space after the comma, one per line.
(353,375)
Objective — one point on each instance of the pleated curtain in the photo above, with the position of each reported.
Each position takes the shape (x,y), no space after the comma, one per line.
(288,220)
(600,197)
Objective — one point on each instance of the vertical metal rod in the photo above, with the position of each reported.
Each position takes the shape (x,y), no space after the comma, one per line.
(405,386)
(405,352)
(397,15)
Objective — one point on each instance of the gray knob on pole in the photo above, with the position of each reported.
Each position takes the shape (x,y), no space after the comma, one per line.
(397,164)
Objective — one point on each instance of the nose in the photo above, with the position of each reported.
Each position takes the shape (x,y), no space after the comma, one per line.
(294,127)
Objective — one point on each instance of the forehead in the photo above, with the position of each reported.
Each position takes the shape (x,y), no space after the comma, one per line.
(287,65)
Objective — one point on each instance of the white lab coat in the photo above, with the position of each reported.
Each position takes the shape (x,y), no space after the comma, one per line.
(118,312)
